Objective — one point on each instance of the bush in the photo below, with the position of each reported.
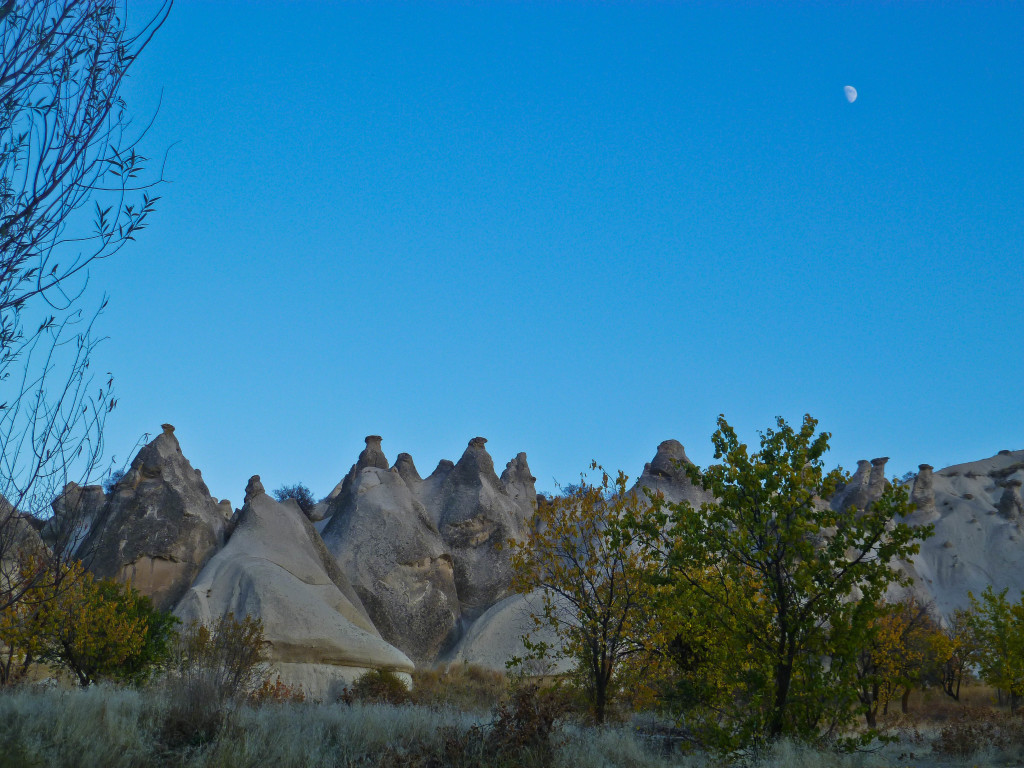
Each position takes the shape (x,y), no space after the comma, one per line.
(378,686)
(215,669)
(110,484)
(978,729)
(526,723)
(302,495)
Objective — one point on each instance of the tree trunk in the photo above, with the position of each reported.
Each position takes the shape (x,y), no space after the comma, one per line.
(905,701)
(600,698)
(783,678)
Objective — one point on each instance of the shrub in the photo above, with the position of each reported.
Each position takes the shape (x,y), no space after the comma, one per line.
(110,484)
(378,686)
(978,729)
(302,495)
(526,723)
(277,692)
(214,670)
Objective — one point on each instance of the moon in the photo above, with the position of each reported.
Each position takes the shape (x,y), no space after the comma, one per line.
(851,93)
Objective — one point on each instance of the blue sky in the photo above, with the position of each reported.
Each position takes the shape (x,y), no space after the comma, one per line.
(574,229)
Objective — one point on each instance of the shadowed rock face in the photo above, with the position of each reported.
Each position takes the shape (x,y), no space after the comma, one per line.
(923,496)
(276,567)
(865,487)
(75,513)
(421,552)
(390,549)
(159,527)
(475,514)
(1011,505)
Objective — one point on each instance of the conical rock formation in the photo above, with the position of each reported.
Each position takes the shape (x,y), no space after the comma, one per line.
(665,475)
(276,567)
(390,549)
(159,527)
(476,514)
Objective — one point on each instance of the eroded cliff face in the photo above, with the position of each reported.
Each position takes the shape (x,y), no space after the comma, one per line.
(385,541)
(978,515)
(275,567)
(159,526)
(422,553)
(408,569)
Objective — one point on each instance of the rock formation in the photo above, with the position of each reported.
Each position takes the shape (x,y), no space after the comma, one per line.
(387,544)
(975,508)
(159,527)
(923,497)
(276,567)
(865,487)
(75,513)
(1011,505)
(665,475)
(476,513)
(495,637)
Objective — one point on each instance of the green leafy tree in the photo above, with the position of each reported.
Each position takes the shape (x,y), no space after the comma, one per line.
(591,578)
(956,651)
(997,627)
(97,629)
(792,584)
(300,493)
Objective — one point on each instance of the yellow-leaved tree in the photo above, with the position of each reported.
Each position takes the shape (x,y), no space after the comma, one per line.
(590,581)
(93,628)
(902,649)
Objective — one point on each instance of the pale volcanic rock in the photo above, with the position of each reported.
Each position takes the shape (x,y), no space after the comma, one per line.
(476,514)
(75,513)
(429,491)
(665,475)
(877,484)
(496,636)
(975,544)
(159,526)
(390,549)
(275,567)
(19,541)
(520,484)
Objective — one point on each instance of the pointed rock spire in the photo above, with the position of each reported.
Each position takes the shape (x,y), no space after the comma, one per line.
(253,489)
(407,469)
(668,461)
(923,495)
(878,483)
(372,455)
(520,484)
(160,527)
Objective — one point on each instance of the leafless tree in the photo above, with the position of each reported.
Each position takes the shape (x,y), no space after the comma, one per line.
(73,189)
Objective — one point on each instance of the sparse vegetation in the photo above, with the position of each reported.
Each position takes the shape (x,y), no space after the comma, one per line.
(121,728)
(300,493)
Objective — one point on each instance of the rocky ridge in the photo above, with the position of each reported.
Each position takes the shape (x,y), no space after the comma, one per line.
(400,569)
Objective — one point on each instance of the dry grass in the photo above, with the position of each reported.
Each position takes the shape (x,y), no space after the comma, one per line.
(459,686)
(121,728)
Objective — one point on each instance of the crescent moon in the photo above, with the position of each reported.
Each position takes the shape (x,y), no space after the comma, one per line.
(851,93)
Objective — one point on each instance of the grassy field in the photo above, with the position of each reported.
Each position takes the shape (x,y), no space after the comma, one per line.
(124,728)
